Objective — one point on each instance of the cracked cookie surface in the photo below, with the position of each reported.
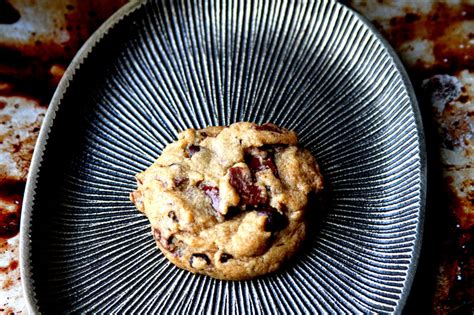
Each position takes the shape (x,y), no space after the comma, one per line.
(229,202)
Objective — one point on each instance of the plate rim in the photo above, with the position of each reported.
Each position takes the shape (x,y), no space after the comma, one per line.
(413,267)
(27,283)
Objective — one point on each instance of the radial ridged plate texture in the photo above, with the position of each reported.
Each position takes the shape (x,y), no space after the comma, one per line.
(158,67)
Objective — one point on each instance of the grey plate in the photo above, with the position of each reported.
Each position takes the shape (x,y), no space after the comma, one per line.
(156,68)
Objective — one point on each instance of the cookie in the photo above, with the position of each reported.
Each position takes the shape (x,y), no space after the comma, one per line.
(229,202)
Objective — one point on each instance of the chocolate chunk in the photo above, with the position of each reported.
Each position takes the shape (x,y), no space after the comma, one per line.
(231,212)
(213,193)
(268,127)
(262,158)
(167,243)
(257,163)
(196,260)
(225,257)
(239,179)
(157,234)
(192,149)
(275,220)
(170,244)
(172,216)
(271,165)
(250,193)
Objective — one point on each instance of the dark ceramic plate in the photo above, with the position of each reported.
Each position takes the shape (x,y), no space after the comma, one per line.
(158,67)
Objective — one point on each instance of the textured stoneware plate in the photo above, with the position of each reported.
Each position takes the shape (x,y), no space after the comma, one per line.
(158,67)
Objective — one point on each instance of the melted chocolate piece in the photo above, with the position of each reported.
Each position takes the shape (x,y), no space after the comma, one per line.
(250,193)
(232,212)
(213,193)
(172,216)
(262,158)
(157,234)
(275,220)
(192,149)
(269,127)
(168,243)
(225,257)
(257,163)
(199,255)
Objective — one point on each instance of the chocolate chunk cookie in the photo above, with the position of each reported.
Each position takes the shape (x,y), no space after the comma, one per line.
(229,202)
